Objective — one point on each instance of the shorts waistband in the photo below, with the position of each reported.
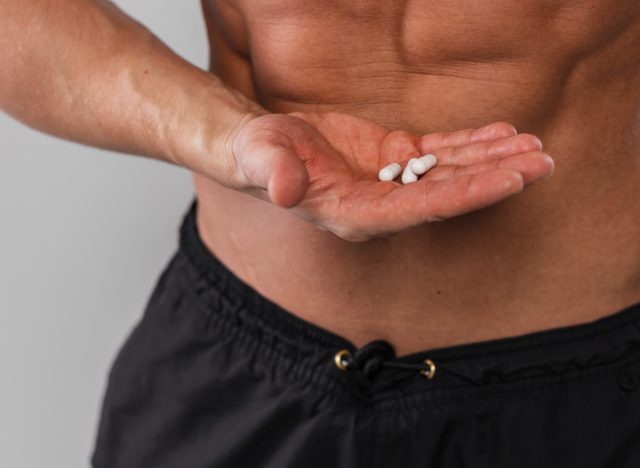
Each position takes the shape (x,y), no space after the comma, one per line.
(237,308)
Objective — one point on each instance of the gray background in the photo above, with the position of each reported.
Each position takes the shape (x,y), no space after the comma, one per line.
(84,235)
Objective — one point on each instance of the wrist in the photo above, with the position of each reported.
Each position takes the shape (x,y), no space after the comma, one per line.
(231,175)
(204,143)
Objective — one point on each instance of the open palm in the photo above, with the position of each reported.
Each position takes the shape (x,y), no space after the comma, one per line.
(324,166)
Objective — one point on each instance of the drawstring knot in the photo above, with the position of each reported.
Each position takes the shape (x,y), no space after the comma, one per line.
(378,354)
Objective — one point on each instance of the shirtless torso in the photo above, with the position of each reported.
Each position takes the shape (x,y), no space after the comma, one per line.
(564,251)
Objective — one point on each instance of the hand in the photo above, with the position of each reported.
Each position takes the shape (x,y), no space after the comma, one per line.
(324,167)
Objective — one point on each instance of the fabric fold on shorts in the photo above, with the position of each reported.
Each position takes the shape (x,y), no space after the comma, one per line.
(528,358)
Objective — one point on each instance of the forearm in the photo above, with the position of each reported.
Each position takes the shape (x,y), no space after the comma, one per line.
(84,71)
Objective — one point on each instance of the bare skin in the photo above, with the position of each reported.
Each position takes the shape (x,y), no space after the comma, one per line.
(306,100)
(562,252)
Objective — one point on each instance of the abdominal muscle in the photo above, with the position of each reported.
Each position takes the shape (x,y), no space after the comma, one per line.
(565,251)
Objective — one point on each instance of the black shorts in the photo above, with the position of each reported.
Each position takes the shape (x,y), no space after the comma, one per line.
(215,375)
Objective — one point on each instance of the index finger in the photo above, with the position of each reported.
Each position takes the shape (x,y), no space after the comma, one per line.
(435,141)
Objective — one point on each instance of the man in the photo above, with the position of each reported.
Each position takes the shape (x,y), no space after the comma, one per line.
(315,316)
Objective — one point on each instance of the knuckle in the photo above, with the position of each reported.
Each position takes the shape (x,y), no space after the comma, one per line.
(530,139)
(505,127)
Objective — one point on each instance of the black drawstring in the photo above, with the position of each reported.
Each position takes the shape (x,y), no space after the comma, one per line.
(377,354)
(380,354)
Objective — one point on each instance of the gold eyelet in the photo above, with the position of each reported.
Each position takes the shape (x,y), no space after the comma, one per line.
(431,372)
(340,359)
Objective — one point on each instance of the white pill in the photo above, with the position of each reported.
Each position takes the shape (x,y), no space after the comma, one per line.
(423,164)
(408,176)
(389,172)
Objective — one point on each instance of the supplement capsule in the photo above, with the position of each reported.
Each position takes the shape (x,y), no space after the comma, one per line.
(423,164)
(408,175)
(389,172)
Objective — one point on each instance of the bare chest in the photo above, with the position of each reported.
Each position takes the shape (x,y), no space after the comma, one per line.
(416,29)
(369,51)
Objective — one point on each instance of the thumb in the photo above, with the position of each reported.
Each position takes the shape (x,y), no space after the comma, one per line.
(279,171)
